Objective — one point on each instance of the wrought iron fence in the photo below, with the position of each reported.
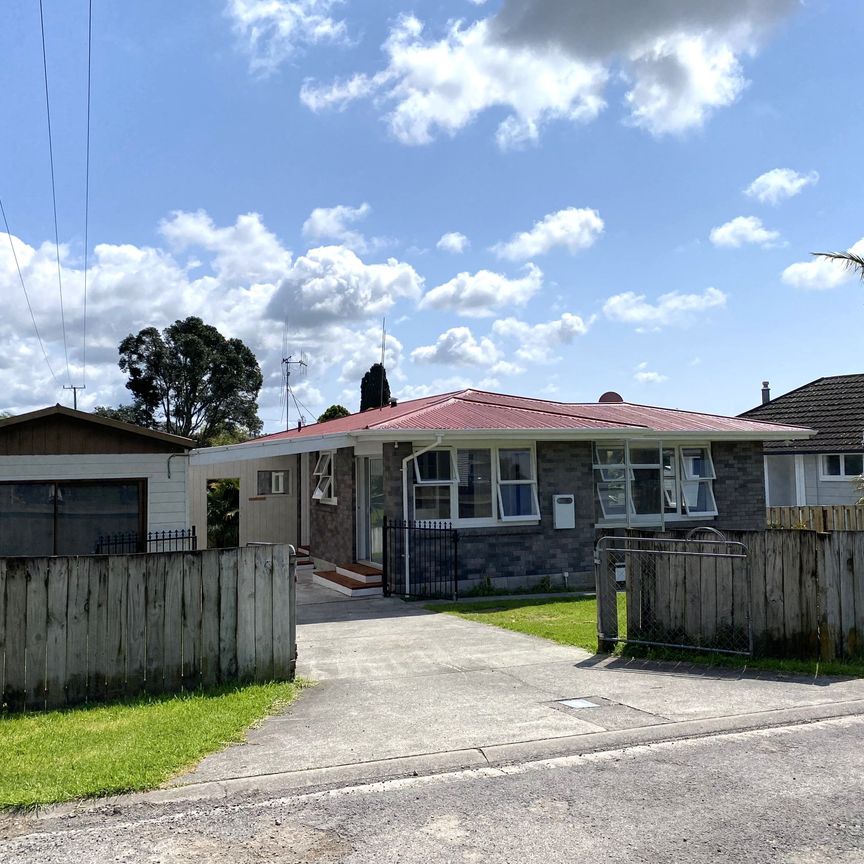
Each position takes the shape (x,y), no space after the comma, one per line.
(421,559)
(691,593)
(129,542)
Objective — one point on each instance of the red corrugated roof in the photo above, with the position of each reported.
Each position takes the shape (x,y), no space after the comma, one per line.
(470,410)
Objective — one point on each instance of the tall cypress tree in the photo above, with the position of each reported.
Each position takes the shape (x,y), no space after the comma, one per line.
(374,389)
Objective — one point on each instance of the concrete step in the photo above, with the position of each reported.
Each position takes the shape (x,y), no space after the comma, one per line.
(360,573)
(345,585)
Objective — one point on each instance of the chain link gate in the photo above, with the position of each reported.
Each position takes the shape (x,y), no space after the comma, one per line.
(672,592)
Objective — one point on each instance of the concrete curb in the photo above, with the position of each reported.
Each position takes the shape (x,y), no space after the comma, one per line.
(494,755)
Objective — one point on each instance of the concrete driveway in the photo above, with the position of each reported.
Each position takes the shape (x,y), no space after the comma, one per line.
(403,690)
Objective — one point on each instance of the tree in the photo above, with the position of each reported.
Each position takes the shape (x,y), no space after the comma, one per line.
(125,414)
(223,513)
(333,413)
(850,260)
(374,389)
(190,380)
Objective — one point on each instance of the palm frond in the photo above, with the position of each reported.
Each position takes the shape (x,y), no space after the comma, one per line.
(849,260)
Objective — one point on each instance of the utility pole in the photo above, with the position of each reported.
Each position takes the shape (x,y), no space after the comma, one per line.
(74,388)
(288,362)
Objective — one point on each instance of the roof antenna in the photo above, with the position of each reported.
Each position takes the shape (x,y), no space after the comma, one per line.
(383,371)
(301,364)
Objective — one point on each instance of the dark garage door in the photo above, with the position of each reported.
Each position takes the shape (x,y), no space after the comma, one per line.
(66,517)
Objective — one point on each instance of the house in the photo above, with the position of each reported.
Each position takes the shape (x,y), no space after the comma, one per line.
(821,470)
(527,482)
(68,477)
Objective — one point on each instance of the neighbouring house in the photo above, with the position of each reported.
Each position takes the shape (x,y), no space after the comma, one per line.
(527,482)
(822,470)
(68,478)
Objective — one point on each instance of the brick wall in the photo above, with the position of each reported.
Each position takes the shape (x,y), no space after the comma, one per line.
(740,485)
(332,526)
(508,551)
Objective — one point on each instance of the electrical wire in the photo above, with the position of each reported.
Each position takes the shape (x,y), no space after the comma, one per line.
(27,296)
(87,192)
(53,189)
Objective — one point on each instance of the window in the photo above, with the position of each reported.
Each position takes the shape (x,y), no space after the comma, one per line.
(517,485)
(644,482)
(842,466)
(435,466)
(325,491)
(272,482)
(476,485)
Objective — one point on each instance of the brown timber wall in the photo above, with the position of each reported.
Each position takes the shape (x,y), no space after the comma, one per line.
(93,628)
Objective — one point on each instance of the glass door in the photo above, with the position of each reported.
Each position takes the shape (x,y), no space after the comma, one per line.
(375,509)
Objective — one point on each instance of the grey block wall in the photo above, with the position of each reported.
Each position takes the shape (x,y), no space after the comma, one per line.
(333,526)
(508,551)
(740,485)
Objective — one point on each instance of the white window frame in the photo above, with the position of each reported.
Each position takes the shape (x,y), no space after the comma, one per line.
(496,520)
(325,487)
(454,469)
(282,474)
(843,476)
(682,477)
(532,482)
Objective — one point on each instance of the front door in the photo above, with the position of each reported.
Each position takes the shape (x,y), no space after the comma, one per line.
(374,482)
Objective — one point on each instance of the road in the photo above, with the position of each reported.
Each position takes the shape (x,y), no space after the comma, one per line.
(790,795)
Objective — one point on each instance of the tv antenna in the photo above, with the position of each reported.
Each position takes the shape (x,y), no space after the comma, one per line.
(289,363)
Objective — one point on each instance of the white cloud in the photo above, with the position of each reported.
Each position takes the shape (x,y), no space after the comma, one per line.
(453,241)
(742,230)
(271,31)
(645,376)
(779,184)
(459,347)
(240,281)
(545,60)
(332,284)
(821,274)
(673,308)
(573,228)
(245,251)
(333,223)
(479,294)
(538,342)
(443,85)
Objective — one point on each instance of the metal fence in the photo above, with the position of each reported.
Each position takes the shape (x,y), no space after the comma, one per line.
(660,590)
(421,559)
(129,542)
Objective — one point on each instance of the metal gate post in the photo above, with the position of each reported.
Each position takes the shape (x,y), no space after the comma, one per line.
(455,564)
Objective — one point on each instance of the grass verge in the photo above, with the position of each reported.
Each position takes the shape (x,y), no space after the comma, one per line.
(126,746)
(574,622)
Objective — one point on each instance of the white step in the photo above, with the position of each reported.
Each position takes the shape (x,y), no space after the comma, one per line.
(348,571)
(357,590)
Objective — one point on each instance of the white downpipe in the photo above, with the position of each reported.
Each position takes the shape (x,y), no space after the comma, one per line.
(405,510)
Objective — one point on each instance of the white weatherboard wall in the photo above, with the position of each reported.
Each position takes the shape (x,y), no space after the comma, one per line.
(167,508)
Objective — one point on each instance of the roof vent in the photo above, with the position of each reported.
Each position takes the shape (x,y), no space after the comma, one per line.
(610,396)
(394,403)
(766,392)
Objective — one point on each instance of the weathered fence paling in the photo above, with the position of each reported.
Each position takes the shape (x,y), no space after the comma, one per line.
(838,517)
(75,629)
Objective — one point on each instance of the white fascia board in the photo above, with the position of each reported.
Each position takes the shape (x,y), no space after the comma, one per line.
(616,433)
(266,449)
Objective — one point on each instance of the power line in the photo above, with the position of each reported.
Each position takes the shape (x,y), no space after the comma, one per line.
(26,295)
(87,193)
(53,189)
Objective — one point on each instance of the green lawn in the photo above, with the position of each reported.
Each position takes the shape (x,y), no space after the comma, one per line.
(574,622)
(124,747)
(571,621)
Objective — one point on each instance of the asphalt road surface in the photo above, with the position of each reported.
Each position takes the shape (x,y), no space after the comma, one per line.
(790,795)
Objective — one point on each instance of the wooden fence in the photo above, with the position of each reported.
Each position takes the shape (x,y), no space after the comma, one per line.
(84,629)
(838,517)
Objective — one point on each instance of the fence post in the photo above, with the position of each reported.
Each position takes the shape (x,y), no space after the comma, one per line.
(455,564)
(385,552)
(607,600)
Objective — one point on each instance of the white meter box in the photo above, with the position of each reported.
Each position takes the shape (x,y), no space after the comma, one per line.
(564,511)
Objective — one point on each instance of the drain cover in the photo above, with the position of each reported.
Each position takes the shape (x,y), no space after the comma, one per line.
(578,703)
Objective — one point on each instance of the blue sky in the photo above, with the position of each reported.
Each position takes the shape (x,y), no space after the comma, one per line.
(286,169)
